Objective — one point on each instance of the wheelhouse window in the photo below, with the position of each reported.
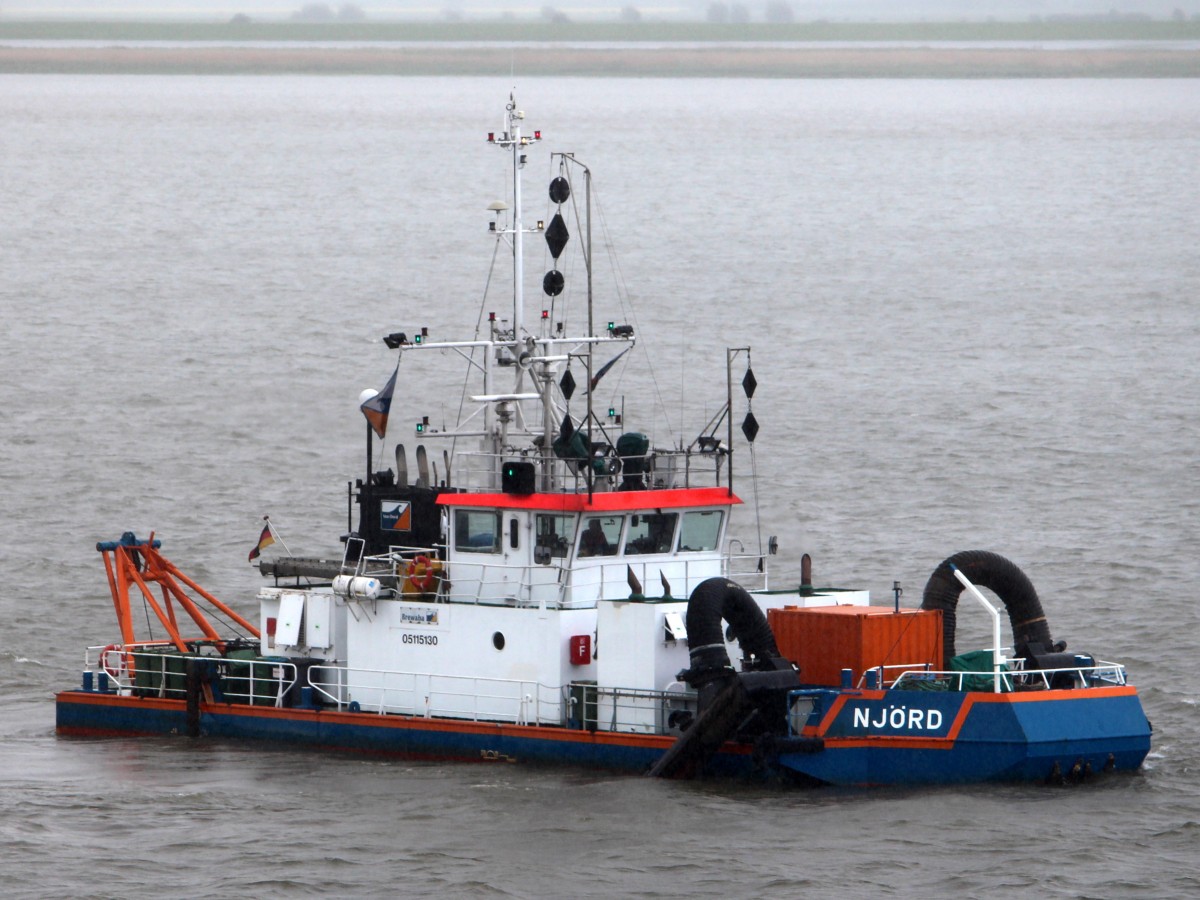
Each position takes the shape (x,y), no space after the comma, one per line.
(600,536)
(701,530)
(650,533)
(554,534)
(476,531)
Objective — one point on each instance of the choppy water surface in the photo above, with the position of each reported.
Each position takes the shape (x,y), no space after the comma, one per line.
(973,313)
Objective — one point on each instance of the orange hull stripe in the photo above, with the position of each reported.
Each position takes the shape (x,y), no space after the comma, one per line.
(943,743)
(375,720)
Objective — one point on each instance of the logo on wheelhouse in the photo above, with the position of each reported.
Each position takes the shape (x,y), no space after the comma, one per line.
(412,616)
(395,515)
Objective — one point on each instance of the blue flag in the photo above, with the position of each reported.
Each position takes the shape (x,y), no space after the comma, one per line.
(377,408)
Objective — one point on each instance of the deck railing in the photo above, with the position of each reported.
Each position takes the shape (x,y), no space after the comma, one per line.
(750,570)
(454,696)
(580,705)
(595,708)
(1017,677)
(160,670)
(559,585)
(478,470)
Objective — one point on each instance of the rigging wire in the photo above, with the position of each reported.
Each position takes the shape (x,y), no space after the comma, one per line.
(146,610)
(566,171)
(757,509)
(624,297)
(229,624)
(216,614)
(753,458)
(462,399)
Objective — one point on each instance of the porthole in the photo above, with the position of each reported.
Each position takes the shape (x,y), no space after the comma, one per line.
(498,641)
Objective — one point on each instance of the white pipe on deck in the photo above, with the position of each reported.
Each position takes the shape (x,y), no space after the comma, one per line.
(997,658)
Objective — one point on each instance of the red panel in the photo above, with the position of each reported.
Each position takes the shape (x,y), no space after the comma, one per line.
(581,649)
(615,501)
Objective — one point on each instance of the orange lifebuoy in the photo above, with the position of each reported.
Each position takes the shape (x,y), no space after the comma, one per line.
(420,573)
(122,668)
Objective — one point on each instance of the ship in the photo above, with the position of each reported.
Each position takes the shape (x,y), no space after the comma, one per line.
(564,589)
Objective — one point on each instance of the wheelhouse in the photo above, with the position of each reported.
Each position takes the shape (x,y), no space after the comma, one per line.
(570,550)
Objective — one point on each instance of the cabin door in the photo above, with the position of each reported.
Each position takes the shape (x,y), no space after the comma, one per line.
(516,548)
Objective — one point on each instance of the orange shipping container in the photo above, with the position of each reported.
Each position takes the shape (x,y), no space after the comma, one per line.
(823,640)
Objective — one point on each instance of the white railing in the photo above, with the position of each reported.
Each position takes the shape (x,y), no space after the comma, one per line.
(450,696)
(154,668)
(265,682)
(474,578)
(878,676)
(398,557)
(580,705)
(558,586)
(481,581)
(627,710)
(1017,677)
(394,564)
(607,577)
(477,470)
(480,471)
(750,570)
(160,670)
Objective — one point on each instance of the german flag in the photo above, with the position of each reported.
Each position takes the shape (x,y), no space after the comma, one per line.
(265,540)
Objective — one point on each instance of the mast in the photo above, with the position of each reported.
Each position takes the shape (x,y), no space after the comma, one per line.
(511,139)
(530,351)
(534,352)
(587,259)
(513,122)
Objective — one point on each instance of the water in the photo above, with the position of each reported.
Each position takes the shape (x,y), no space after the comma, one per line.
(973,313)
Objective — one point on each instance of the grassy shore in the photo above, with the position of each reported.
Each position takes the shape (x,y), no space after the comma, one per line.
(588,49)
(661,62)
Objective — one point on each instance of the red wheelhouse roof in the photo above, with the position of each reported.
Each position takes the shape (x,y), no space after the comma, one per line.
(614,501)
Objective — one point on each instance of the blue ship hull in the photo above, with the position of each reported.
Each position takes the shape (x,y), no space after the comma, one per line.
(861,737)
(906,737)
(96,714)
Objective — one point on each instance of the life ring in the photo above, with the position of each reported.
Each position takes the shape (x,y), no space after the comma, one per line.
(122,668)
(420,573)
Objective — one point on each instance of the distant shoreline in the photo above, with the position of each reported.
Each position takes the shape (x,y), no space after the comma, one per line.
(725,60)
